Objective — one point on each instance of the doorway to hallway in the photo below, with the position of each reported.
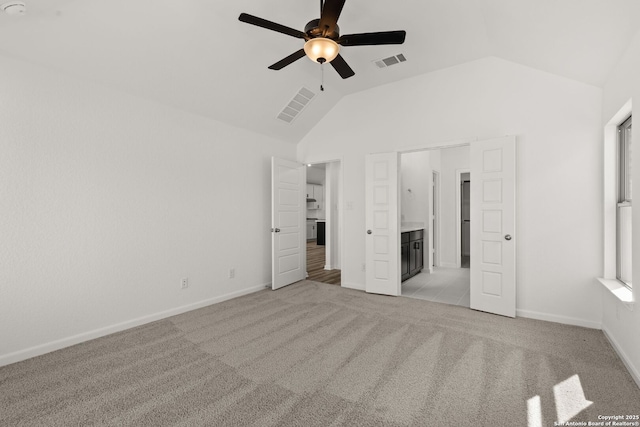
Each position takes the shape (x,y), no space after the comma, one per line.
(323,223)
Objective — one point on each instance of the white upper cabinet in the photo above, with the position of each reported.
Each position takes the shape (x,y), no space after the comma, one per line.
(315,191)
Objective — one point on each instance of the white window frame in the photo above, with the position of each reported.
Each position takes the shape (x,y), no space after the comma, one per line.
(624,206)
(610,177)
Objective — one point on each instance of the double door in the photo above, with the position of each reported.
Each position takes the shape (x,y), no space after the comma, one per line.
(492,225)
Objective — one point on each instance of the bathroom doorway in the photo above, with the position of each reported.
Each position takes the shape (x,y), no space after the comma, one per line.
(431,202)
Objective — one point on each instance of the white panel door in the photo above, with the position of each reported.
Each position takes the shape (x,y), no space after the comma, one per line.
(493,239)
(382,225)
(288,222)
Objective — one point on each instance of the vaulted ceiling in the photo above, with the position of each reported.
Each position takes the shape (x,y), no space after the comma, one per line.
(196,56)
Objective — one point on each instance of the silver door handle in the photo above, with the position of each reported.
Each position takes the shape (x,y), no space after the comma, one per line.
(507,237)
(369,231)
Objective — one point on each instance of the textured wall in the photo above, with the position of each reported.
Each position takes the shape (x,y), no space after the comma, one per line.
(107,201)
(558,125)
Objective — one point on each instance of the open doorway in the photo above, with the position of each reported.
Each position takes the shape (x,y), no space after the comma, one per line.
(323,228)
(431,206)
(465,219)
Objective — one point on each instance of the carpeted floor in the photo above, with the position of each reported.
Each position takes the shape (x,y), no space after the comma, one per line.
(313,354)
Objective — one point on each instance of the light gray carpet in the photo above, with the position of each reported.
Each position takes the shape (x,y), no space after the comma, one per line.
(319,355)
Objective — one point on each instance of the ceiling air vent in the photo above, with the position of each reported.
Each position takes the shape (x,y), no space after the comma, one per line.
(392,60)
(296,105)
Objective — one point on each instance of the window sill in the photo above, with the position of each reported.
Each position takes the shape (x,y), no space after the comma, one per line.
(620,291)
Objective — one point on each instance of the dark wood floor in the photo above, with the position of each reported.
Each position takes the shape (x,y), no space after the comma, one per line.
(315,265)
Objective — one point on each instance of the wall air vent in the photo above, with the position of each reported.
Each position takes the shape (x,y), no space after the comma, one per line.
(392,60)
(296,105)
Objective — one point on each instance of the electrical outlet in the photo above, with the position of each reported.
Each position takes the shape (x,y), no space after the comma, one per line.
(232,273)
(184,283)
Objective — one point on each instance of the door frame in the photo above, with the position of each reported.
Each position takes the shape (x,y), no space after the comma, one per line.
(459,173)
(434,223)
(329,226)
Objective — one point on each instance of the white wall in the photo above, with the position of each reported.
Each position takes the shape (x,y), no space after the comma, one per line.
(558,123)
(107,201)
(452,161)
(316,175)
(332,193)
(415,172)
(621,324)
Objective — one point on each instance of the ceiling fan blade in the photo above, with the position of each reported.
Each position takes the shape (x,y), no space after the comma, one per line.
(259,22)
(342,67)
(369,39)
(330,14)
(288,60)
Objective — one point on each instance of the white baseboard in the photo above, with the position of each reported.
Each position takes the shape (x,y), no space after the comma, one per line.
(356,286)
(635,374)
(559,319)
(18,356)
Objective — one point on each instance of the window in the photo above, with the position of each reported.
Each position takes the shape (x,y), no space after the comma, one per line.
(623,214)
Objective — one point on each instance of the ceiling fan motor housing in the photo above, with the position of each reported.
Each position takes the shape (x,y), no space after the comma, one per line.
(313,30)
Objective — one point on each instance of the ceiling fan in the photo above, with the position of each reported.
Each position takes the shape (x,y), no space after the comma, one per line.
(323,40)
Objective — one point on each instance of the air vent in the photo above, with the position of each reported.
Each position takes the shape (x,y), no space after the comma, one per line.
(296,105)
(392,60)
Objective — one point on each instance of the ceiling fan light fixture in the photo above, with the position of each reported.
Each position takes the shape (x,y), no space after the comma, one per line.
(321,49)
(14,8)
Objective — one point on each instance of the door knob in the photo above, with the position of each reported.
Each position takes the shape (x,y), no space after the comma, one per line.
(277,230)
(368,231)
(507,237)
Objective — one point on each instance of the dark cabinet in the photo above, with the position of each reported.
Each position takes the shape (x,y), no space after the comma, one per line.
(321,231)
(412,253)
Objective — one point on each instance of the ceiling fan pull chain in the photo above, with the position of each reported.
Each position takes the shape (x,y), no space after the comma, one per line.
(322,81)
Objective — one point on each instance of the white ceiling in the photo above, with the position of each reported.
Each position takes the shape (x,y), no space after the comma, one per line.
(195,55)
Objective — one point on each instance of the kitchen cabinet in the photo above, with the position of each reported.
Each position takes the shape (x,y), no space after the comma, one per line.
(412,253)
(312,230)
(316,192)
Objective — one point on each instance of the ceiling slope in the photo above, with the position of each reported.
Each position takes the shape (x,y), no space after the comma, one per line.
(197,56)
